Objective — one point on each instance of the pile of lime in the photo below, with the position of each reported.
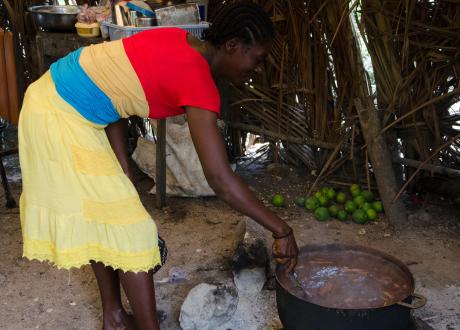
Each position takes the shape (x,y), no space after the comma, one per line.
(356,203)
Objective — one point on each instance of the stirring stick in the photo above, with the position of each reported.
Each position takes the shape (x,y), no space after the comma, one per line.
(298,283)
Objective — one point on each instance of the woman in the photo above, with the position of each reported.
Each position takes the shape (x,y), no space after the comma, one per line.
(79,205)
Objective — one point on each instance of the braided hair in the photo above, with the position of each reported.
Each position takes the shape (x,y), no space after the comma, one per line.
(244,20)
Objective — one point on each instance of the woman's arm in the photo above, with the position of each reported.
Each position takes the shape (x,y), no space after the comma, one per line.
(229,187)
(117,134)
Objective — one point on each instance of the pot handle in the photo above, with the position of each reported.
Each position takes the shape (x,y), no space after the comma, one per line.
(420,301)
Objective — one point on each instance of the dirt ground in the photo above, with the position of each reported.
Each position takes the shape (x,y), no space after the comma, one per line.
(199,234)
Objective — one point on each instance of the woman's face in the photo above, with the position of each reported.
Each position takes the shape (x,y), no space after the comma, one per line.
(240,61)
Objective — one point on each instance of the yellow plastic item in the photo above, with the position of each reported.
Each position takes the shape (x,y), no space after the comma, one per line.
(88,30)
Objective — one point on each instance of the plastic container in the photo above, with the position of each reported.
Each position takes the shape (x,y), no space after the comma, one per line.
(145,21)
(115,32)
(88,30)
(202,7)
(186,13)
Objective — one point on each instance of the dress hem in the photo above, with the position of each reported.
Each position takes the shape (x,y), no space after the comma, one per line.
(78,257)
(79,265)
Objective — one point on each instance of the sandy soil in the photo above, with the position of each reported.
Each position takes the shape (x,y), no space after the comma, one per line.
(199,234)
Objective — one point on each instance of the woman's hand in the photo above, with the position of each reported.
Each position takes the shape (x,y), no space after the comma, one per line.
(117,133)
(285,251)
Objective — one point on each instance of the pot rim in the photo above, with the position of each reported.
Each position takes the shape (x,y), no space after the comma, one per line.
(36,9)
(340,246)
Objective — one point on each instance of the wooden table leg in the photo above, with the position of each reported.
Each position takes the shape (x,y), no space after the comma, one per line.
(160,176)
(10,202)
(40,55)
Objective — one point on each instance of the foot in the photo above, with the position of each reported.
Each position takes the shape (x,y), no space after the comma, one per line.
(118,320)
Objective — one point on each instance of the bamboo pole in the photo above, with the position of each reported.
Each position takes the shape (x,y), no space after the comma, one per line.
(288,138)
(456,91)
(428,167)
(324,168)
(424,163)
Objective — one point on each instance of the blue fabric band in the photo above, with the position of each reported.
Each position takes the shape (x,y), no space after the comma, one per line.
(76,88)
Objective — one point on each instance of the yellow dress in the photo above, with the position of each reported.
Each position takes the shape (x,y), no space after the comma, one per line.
(77,204)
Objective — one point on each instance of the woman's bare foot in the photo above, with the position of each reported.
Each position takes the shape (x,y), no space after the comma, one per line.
(118,320)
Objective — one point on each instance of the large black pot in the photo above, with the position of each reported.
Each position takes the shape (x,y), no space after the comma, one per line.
(299,310)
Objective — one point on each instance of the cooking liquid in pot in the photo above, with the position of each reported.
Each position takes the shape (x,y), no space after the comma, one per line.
(348,280)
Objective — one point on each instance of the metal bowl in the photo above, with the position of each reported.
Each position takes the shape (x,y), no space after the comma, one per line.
(55,18)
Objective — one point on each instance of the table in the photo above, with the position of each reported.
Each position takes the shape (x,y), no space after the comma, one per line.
(52,46)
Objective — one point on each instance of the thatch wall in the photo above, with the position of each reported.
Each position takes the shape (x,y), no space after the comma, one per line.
(316,99)
(306,97)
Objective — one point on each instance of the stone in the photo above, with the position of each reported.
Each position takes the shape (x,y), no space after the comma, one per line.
(208,306)
(250,281)
(277,169)
(420,217)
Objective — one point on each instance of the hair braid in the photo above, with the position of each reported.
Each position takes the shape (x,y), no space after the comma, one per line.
(244,20)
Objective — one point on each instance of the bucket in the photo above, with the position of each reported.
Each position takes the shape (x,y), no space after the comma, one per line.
(88,30)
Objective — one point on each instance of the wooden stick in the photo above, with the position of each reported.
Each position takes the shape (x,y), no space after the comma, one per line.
(428,167)
(434,153)
(336,165)
(352,151)
(433,100)
(346,13)
(160,177)
(318,11)
(348,184)
(297,140)
(367,171)
(325,167)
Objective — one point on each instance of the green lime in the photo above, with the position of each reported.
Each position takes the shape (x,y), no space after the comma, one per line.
(350,206)
(323,200)
(300,201)
(355,187)
(377,206)
(333,210)
(366,206)
(359,200)
(311,203)
(371,214)
(355,192)
(360,216)
(368,195)
(278,200)
(341,197)
(342,215)
(324,190)
(318,194)
(330,193)
(321,214)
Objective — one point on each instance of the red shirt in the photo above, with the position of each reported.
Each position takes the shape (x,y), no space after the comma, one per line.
(171,72)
